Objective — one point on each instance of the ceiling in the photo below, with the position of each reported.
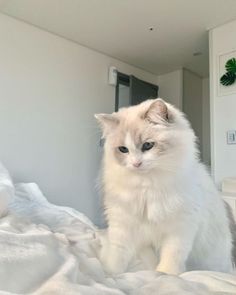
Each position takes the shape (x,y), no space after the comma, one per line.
(120,28)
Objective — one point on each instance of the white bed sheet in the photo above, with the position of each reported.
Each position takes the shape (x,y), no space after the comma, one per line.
(47,249)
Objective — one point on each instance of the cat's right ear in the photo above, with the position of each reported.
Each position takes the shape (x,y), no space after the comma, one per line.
(157,112)
(108,122)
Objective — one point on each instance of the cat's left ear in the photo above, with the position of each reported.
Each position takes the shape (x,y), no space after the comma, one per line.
(108,122)
(157,112)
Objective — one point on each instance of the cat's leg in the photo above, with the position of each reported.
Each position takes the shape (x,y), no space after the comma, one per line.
(116,251)
(175,250)
(148,257)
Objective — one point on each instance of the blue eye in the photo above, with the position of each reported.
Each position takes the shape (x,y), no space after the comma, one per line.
(123,149)
(147,146)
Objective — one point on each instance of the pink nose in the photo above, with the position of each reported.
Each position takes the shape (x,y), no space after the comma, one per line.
(137,164)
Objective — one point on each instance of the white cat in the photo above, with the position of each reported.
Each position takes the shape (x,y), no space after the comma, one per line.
(158,198)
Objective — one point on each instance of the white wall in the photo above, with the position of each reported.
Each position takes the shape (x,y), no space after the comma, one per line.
(171,87)
(206,145)
(49,90)
(192,102)
(189,92)
(223,108)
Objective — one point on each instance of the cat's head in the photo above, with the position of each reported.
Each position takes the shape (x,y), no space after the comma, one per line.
(152,135)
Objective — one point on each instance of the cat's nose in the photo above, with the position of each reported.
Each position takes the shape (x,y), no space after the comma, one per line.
(137,164)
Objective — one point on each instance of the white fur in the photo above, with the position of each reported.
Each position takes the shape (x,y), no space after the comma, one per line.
(6,190)
(171,214)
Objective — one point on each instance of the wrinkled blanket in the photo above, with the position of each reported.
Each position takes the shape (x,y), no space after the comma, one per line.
(47,249)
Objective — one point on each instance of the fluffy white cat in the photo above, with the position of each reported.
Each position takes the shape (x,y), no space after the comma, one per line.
(160,202)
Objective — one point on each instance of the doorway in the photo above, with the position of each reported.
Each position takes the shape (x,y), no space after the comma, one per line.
(131,91)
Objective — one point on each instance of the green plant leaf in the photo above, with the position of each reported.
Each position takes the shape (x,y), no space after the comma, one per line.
(230,65)
(228,79)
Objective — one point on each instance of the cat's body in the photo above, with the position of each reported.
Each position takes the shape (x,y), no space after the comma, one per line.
(160,202)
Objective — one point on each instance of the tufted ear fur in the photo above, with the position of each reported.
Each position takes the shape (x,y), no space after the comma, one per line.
(108,122)
(157,112)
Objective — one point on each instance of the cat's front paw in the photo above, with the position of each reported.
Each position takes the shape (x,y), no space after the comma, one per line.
(113,260)
(173,269)
(112,267)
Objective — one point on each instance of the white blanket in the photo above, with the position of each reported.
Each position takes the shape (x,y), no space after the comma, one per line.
(47,249)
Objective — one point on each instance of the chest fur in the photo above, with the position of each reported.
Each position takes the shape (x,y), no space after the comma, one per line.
(145,199)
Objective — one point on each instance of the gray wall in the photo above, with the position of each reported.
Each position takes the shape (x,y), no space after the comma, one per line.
(192,102)
(171,87)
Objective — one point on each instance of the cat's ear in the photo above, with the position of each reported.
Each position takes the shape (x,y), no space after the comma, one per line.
(108,122)
(157,112)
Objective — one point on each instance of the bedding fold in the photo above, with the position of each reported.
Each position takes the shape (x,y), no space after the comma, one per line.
(49,249)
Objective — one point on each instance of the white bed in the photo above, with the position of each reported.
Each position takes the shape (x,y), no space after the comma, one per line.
(47,249)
